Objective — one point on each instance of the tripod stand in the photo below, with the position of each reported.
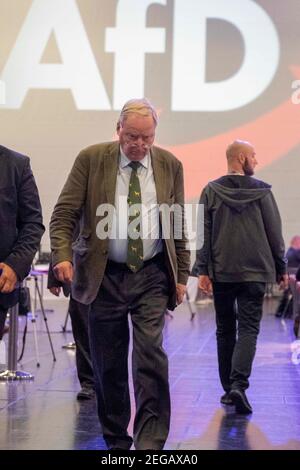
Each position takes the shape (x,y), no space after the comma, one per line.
(64,327)
(71,345)
(12,373)
(34,275)
(192,311)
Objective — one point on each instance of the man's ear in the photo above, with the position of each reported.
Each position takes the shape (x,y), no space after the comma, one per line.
(241,158)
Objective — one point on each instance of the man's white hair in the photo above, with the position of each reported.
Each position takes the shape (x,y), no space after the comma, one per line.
(141,106)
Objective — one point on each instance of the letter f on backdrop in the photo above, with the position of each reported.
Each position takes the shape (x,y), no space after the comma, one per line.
(130,41)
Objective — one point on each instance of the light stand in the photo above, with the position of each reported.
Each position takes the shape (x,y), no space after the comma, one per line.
(12,373)
(37,289)
(71,345)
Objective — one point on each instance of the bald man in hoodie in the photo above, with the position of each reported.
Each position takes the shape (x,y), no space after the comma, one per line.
(243,250)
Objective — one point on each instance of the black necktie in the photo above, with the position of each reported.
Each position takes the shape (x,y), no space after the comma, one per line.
(135,245)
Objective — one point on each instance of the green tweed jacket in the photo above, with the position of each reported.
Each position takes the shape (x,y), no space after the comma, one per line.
(92,182)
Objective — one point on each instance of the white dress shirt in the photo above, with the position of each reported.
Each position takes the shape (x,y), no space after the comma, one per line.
(150,227)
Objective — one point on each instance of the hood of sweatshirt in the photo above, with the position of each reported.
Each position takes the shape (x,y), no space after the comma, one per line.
(238,198)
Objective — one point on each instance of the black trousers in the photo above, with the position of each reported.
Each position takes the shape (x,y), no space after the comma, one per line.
(3,313)
(145,295)
(238,313)
(79,314)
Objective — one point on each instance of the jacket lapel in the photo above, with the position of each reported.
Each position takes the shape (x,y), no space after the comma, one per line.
(159,171)
(111,160)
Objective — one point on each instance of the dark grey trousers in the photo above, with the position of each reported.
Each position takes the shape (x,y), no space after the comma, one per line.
(79,314)
(145,295)
(238,313)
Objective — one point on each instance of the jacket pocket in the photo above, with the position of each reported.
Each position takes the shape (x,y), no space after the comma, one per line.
(80,246)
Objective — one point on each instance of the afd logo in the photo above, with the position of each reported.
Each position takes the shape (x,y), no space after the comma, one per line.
(296,94)
(130,40)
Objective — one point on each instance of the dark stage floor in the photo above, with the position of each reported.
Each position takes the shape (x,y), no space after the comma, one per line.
(44,413)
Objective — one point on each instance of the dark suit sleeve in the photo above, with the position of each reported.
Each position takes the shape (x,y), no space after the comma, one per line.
(181,242)
(201,266)
(64,220)
(272,223)
(29,224)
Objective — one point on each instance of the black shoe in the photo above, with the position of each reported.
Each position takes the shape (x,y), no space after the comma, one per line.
(226,400)
(86,393)
(240,401)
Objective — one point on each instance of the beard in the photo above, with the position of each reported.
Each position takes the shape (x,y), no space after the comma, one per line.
(248,170)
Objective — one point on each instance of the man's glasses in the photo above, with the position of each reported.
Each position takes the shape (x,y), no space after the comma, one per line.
(147,139)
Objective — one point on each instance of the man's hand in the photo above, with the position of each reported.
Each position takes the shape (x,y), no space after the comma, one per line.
(283,281)
(180,291)
(55,291)
(64,272)
(205,284)
(8,279)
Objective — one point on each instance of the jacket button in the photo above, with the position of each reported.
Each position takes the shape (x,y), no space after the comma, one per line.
(104,252)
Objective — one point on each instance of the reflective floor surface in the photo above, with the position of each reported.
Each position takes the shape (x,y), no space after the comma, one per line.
(44,413)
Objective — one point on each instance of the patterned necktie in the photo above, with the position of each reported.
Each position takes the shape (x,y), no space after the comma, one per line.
(135,246)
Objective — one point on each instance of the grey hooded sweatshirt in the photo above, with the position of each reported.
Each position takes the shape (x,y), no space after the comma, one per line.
(242,232)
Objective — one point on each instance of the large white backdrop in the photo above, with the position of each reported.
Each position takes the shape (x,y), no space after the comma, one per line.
(216,71)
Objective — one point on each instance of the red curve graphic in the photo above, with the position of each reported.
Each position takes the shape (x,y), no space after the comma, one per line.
(274,134)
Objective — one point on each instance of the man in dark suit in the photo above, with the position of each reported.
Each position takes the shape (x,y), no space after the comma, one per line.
(285,306)
(126,260)
(21,226)
(79,318)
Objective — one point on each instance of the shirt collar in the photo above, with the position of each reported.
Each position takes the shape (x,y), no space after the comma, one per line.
(124,161)
(235,173)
